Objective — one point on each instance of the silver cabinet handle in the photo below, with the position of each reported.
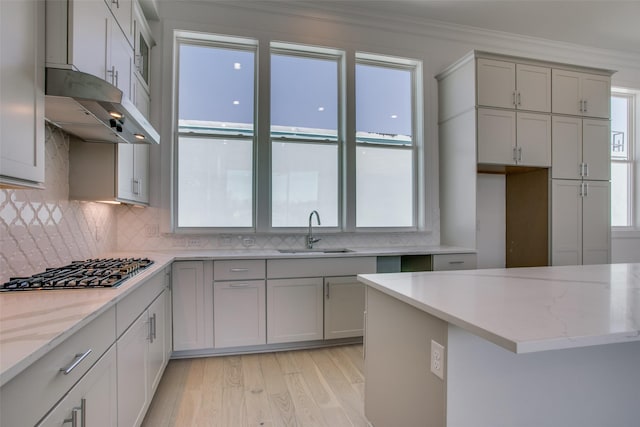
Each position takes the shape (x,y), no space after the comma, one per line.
(112,74)
(79,358)
(513,98)
(519,154)
(135,186)
(585,105)
(117,3)
(456,262)
(515,154)
(74,414)
(586,169)
(580,107)
(328,290)
(519,99)
(239,270)
(152,328)
(586,189)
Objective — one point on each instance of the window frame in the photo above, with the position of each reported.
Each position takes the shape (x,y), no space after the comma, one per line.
(633,189)
(312,52)
(216,41)
(415,68)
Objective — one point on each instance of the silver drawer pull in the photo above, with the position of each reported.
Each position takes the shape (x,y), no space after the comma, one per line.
(239,270)
(239,285)
(79,358)
(456,262)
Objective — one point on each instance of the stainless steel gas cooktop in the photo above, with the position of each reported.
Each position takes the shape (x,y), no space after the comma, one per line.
(92,273)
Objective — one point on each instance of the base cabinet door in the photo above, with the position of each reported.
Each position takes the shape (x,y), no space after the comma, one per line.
(566,222)
(294,310)
(92,399)
(157,336)
(343,307)
(192,305)
(133,363)
(239,313)
(596,232)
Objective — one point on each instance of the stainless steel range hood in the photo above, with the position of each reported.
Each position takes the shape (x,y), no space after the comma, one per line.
(93,110)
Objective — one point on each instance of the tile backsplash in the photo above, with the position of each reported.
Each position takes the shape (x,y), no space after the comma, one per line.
(43,228)
(139,229)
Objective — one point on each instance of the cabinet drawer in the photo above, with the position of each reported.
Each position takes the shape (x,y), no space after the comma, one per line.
(442,262)
(348,266)
(135,303)
(31,394)
(238,269)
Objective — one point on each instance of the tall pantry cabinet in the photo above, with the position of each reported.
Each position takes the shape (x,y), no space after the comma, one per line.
(545,127)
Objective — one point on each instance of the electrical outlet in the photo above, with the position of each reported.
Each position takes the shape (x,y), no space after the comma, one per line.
(193,242)
(437,359)
(248,241)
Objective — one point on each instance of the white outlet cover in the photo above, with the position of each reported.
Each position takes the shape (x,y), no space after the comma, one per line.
(437,359)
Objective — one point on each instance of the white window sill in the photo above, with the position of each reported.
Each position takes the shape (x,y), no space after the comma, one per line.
(625,233)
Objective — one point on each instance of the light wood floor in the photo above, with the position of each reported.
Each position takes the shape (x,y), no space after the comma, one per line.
(322,387)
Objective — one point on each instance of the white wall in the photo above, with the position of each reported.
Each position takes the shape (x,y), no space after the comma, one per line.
(491,220)
(437,45)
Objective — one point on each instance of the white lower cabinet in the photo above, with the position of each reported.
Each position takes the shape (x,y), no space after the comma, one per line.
(141,351)
(133,360)
(580,232)
(239,313)
(192,305)
(92,402)
(294,310)
(343,307)
(158,354)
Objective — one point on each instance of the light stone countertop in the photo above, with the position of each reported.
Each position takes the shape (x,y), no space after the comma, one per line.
(528,309)
(34,322)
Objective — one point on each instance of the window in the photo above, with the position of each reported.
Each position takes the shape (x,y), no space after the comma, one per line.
(622,159)
(215,134)
(304,137)
(261,159)
(386,147)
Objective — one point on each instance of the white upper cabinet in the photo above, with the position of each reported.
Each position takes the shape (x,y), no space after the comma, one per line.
(22,88)
(581,94)
(505,84)
(122,10)
(496,83)
(580,148)
(514,138)
(93,36)
(533,139)
(133,172)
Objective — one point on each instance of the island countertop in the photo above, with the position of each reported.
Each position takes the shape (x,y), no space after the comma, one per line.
(528,309)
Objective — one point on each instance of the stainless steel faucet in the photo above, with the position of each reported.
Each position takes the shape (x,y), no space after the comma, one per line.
(310,239)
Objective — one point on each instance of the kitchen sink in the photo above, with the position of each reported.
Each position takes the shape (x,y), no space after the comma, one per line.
(315,251)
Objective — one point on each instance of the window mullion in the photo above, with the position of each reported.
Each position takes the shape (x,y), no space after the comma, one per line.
(262,198)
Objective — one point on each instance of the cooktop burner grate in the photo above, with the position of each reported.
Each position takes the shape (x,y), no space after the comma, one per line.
(92,273)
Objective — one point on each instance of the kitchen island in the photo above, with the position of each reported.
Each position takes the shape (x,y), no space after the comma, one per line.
(545,346)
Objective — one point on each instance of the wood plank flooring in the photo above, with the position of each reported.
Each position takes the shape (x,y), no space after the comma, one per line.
(305,388)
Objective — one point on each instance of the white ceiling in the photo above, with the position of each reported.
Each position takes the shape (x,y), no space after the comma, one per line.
(604,24)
